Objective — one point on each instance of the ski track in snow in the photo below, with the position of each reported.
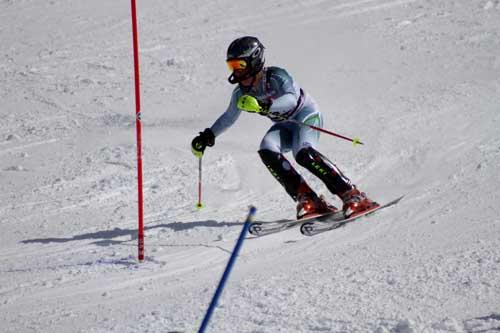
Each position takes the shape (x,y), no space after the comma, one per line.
(417,79)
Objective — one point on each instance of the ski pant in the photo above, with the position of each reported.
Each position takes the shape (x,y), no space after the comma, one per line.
(301,140)
(286,136)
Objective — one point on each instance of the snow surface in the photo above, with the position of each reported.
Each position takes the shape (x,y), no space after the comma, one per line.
(417,80)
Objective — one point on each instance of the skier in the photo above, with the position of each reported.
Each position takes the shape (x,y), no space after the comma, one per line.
(280,98)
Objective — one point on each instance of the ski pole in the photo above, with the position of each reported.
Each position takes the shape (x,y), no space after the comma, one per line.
(199,205)
(250,104)
(227,271)
(355,141)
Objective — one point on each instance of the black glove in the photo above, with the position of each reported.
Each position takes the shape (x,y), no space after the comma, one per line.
(204,139)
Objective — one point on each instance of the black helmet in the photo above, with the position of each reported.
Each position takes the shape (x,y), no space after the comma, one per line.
(250,53)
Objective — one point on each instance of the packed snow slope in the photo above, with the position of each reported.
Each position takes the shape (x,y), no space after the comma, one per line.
(417,80)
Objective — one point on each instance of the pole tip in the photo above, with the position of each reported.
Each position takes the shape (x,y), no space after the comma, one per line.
(199,205)
(357,141)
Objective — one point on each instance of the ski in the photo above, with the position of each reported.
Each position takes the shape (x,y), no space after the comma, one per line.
(267,228)
(314,227)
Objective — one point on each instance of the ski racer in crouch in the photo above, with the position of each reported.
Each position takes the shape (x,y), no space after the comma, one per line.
(280,99)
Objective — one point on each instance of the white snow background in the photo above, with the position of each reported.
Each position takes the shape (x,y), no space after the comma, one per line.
(417,80)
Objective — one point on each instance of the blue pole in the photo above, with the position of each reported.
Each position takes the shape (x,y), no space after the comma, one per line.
(229,266)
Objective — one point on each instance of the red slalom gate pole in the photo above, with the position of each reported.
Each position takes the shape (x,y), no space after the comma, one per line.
(138,126)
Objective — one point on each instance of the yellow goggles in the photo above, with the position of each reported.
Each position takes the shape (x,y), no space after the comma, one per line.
(236,64)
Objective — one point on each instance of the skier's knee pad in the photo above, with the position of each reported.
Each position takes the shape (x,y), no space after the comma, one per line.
(324,169)
(307,156)
(276,162)
(268,156)
(283,171)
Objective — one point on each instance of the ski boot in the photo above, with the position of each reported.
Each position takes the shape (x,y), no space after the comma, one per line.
(310,204)
(356,202)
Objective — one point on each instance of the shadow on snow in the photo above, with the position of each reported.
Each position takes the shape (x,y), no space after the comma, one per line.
(106,237)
